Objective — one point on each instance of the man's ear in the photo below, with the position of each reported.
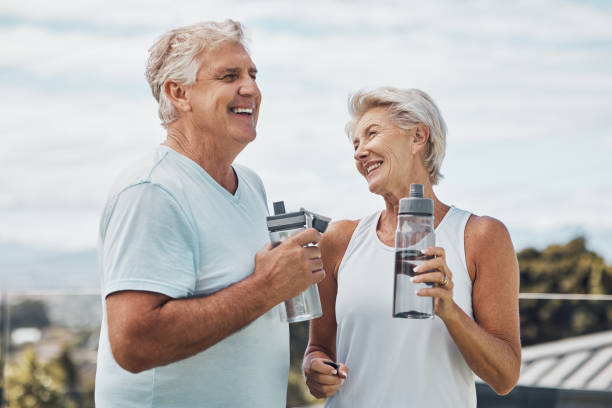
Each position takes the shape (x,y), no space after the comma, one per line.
(177,94)
(420,135)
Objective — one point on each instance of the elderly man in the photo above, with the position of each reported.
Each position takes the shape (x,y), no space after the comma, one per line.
(189,279)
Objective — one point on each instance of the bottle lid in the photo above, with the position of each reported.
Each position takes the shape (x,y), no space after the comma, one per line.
(282,220)
(416,204)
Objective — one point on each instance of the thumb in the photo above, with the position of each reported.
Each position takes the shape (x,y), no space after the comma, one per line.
(342,370)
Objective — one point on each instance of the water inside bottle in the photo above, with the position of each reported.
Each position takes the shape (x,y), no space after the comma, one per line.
(407,304)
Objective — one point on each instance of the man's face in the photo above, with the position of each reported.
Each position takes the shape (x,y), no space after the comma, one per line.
(225,98)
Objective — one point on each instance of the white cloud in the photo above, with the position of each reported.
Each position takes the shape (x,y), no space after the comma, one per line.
(509,73)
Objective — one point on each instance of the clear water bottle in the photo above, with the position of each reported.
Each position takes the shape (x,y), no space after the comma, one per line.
(415,232)
(282,225)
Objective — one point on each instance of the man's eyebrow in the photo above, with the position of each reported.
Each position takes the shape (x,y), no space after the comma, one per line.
(234,70)
(228,70)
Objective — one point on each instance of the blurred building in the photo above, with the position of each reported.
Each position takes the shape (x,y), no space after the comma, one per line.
(574,372)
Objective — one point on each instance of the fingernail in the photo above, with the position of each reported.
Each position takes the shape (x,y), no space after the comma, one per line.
(417,292)
(334,372)
(413,279)
(417,268)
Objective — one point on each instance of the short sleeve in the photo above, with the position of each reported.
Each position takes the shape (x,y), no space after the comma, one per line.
(148,244)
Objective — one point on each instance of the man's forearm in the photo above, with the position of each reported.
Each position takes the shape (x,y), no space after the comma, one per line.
(180,328)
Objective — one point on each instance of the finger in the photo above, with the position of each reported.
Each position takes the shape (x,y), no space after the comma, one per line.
(270,245)
(435,251)
(430,277)
(342,370)
(315,264)
(324,379)
(436,264)
(312,252)
(320,367)
(318,276)
(436,292)
(322,391)
(308,236)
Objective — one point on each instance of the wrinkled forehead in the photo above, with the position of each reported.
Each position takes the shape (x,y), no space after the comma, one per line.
(376,116)
(229,54)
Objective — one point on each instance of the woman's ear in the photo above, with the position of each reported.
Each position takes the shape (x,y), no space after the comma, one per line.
(177,94)
(420,134)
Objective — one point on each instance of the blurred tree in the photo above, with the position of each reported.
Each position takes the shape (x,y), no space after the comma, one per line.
(28,313)
(569,268)
(297,392)
(31,383)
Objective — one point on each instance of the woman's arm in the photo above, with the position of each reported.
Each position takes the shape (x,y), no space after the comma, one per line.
(323,380)
(490,343)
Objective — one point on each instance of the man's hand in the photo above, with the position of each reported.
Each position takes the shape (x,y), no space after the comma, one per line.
(291,267)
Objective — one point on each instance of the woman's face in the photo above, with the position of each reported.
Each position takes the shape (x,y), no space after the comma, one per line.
(382,152)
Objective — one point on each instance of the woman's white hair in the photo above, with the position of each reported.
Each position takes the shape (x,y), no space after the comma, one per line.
(175,56)
(406,108)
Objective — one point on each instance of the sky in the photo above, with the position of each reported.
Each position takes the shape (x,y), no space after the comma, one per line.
(525,88)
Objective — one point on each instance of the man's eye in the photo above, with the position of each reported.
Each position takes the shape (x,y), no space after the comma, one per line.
(254,76)
(229,77)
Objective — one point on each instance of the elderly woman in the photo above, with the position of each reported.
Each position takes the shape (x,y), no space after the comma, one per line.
(399,138)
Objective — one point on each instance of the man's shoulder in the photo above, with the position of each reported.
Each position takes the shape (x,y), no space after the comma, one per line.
(151,168)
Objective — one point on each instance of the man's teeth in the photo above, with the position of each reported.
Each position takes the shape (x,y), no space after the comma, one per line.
(242,110)
(372,167)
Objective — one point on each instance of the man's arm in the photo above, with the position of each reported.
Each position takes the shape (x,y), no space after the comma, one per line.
(148,329)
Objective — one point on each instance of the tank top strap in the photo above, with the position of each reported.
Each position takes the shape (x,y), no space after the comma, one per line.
(360,235)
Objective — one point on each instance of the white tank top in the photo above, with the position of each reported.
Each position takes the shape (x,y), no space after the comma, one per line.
(396,362)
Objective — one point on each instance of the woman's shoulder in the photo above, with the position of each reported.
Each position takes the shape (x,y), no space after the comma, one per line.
(487,238)
(339,233)
(483,228)
(334,242)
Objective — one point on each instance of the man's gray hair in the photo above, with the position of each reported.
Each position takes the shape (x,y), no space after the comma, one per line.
(175,56)
(406,108)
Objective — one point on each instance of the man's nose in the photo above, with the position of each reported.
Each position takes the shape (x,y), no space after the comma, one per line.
(248,87)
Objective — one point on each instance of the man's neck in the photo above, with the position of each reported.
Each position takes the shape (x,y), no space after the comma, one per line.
(207,152)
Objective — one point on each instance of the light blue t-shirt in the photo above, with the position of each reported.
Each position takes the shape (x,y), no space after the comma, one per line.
(169,227)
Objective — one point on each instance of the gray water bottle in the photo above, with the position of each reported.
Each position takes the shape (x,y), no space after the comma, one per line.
(282,225)
(415,232)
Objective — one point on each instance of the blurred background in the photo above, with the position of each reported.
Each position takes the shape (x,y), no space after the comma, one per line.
(525,89)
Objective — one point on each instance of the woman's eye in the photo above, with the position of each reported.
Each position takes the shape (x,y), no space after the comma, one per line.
(371,133)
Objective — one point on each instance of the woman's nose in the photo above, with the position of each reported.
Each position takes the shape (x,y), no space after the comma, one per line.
(360,153)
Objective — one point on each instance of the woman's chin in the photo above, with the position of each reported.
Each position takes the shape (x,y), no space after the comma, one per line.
(374,187)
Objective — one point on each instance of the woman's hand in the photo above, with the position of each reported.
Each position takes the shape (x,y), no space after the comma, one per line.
(323,380)
(436,271)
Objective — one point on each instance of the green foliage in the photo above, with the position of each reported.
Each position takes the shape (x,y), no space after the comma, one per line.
(569,268)
(31,383)
(297,392)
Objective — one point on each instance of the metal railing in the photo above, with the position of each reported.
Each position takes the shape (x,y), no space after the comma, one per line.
(74,317)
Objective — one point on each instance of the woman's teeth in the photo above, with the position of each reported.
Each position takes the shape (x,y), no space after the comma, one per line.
(372,167)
